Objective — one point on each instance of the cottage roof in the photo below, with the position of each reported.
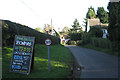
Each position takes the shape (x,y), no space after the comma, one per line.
(94,22)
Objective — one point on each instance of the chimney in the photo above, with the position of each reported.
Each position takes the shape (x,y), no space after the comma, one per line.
(91,17)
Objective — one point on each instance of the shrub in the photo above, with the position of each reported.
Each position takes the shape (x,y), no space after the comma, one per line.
(80,42)
(86,38)
(75,36)
(95,31)
(71,42)
(100,42)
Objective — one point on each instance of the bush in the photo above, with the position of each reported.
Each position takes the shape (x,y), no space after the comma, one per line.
(100,42)
(96,31)
(80,42)
(86,38)
(75,36)
(71,42)
(10,29)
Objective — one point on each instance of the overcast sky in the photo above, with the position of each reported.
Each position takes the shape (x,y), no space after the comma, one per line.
(36,13)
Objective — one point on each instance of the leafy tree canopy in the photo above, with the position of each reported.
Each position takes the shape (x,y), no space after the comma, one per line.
(39,29)
(66,29)
(114,21)
(76,27)
(91,13)
(102,15)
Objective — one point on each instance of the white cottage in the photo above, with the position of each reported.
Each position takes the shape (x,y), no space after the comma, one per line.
(96,22)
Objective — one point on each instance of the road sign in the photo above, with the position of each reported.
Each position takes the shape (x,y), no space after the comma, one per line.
(48,42)
(22,54)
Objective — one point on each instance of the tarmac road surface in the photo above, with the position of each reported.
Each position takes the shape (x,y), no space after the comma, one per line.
(96,64)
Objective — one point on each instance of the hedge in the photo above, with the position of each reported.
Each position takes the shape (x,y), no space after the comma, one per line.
(10,29)
(75,36)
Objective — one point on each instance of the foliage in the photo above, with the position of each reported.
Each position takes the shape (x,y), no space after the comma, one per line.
(57,33)
(96,31)
(71,42)
(102,15)
(60,59)
(80,42)
(47,26)
(75,36)
(100,42)
(114,21)
(104,43)
(90,13)
(66,29)
(92,9)
(86,38)
(76,27)
(10,29)
(105,50)
(39,29)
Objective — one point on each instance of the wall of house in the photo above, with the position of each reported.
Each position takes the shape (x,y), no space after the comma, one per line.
(88,27)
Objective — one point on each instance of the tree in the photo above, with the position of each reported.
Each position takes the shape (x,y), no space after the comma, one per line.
(39,29)
(102,15)
(66,29)
(114,21)
(92,9)
(47,27)
(76,26)
(91,13)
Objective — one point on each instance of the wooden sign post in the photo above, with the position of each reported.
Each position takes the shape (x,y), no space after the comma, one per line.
(48,43)
(22,54)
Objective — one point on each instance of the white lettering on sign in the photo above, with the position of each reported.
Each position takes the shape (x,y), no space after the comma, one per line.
(23,43)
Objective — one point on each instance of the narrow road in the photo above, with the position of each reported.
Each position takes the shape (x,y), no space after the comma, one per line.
(96,64)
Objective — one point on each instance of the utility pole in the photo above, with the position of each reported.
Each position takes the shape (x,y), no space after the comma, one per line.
(51,27)
(51,22)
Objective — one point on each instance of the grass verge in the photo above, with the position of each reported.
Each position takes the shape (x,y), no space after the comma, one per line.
(60,59)
(108,51)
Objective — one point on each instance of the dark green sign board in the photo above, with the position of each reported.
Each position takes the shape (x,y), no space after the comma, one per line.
(22,54)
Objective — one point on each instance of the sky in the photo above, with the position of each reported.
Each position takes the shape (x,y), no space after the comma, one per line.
(36,13)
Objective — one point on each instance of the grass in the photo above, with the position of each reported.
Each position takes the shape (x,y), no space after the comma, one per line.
(108,51)
(60,59)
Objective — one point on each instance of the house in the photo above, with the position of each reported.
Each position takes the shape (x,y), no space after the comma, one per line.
(96,22)
(51,31)
(64,38)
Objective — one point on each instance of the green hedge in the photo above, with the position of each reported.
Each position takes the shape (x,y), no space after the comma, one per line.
(10,29)
(105,43)
(75,36)
(88,38)
(100,42)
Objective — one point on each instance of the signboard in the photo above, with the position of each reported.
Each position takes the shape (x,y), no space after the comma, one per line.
(48,42)
(22,54)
